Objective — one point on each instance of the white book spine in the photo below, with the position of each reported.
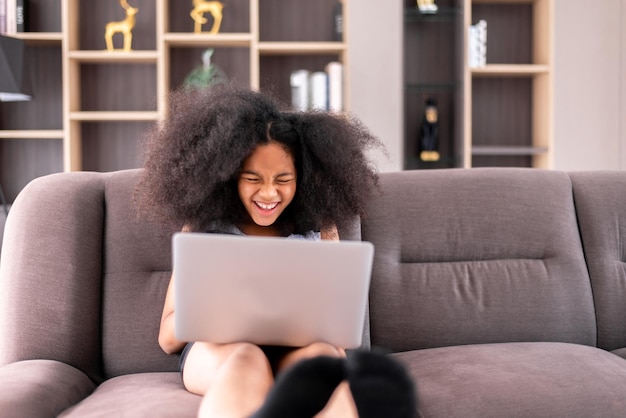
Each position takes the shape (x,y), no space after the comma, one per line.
(318,88)
(3,16)
(334,70)
(11,17)
(477,44)
(300,90)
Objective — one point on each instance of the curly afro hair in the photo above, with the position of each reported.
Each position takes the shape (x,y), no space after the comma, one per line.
(194,157)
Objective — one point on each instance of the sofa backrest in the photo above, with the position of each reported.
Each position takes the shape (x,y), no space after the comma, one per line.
(477,256)
(600,198)
(83,278)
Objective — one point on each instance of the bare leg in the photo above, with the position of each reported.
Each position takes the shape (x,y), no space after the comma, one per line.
(234,378)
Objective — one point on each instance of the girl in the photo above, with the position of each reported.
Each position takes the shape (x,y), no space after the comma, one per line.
(229,160)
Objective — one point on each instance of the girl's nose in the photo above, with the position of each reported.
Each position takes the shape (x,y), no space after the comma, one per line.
(268,190)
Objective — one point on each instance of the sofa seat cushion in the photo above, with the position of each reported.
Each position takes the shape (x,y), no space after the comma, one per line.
(139,395)
(518,380)
(41,388)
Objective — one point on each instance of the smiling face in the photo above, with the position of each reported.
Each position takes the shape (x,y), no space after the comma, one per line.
(266,185)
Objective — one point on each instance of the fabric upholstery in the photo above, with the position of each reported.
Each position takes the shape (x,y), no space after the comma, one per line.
(601,207)
(518,380)
(480,286)
(476,256)
(41,388)
(137,269)
(50,292)
(154,395)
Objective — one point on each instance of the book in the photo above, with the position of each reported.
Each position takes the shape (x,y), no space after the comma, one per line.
(3,16)
(334,70)
(299,81)
(11,17)
(318,91)
(338,22)
(20,16)
(477,44)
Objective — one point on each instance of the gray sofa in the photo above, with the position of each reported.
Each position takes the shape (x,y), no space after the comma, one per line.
(502,290)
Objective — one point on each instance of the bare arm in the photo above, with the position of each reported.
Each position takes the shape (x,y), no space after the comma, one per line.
(330,233)
(167,338)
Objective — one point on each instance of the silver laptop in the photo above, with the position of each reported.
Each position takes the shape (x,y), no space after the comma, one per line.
(270,291)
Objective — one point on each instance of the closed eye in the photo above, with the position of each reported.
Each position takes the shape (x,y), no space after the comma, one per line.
(250,179)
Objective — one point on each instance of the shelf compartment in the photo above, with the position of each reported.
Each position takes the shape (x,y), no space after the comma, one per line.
(444,14)
(116,87)
(114,116)
(432,87)
(24,160)
(312,48)
(32,134)
(300,20)
(207,40)
(111,146)
(276,69)
(236,18)
(234,62)
(88,20)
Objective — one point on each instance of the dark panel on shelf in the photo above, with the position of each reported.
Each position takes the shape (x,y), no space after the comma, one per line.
(43,74)
(43,15)
(94,15)
(22,160)
(276,70)
(234,62)
(298,20)
(501,161)
(113,146)
(509,32)
(433,50)
(501,111)
(441,4)
(118,87)
(236,17)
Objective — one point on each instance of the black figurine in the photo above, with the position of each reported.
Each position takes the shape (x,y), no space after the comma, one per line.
(429,138)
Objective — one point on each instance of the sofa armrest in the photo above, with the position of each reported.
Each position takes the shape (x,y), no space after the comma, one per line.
(41,388)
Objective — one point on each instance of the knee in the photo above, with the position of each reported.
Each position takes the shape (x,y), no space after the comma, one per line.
(248,356)
(322,349)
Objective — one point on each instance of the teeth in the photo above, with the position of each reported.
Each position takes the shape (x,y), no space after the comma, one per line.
(267,206)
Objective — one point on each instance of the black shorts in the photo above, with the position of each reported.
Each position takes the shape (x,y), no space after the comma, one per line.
(274,354)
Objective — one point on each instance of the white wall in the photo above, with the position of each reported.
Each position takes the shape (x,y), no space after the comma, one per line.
(375,31)
(590,84)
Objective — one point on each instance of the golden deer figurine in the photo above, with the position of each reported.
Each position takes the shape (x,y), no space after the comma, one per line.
(200,7)
(124,27)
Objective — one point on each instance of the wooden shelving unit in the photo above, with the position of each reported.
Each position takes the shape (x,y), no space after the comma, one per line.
(496,115)
(91,106)
(508,103)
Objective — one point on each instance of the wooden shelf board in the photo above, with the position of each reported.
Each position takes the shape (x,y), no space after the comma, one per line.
(206,39)
(316,48)
(40,38)
(510,70)
(510,150)
(32,134)
(114,56)
(108,116)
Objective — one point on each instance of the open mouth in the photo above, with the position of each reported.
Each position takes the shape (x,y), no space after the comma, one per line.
(266,207)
